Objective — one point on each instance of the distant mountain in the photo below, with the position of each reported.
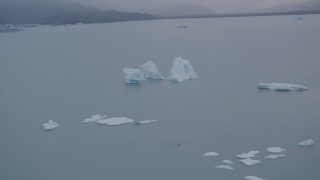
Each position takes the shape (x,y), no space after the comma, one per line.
(182,10)
(60,12)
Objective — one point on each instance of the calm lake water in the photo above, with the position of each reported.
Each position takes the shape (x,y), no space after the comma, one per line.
(69,73)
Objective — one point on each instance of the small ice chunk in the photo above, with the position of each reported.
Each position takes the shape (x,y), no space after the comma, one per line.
(227,161)
(50,125)
(114,121)
(282,86)
(150,71)
(181,70)
(308,142)
(250,162)
(297,18)
(181,26)
(224,167)
(253,178)
(275,156)
(250,154)
(275,149)
(133,76)
(94,118)
(211,154)
(145,122)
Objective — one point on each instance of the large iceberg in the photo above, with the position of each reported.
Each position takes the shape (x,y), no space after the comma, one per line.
(211,154)
(50,125)
(181,70)
(94,118)
(115,121)
(282,86)
(224,167)
(150,71)
(133,76)
(275,156)
(250,154)
(250,162)
(308,142)
(275,149)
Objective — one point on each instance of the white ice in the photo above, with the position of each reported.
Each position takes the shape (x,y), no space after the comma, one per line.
(308,142)
(250,154)
(250,162)
(114,121)
(150,71)
(253,178)
(211,154)
(224,167)
(50,125)
(275,149)
(282,86)
(94,118)
(181,70)
(133,76)
(227,161)
(275,156)
(145,122)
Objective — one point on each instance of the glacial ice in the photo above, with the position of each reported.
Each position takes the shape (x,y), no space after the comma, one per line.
(133,76)
(275,149)
(211,154)
(253,178)
(150,71)
(145,122)
(50,125)
(275,156)
(114,121)
(282,86)
(250,154)
(227,161)
(308,142)
(181,70)
(224,167)
(250,162)
(94,118)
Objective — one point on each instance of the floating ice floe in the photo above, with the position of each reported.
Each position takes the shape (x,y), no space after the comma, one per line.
(282,86)
(275,149)
(150,71)
(114,121)
(145,122)
(275,156)
(250,154)
(181,70)
(211,154)
(253,178)
(227,161)
(94,118)
(308,142)
(50,125)
(250,162)
(133,76)
(224,167)
(181,26)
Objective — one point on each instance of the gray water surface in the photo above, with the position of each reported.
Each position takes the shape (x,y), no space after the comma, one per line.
(69,73)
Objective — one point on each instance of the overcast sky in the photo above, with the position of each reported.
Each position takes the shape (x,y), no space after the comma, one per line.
(219,6)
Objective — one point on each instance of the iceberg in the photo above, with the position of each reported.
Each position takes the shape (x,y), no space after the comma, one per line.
(211,154)
(50,125)
(250,162)
(224,167)
(115,121)
(250,154)
(145,122)
(253,178)
(150,71)
(181,70)
(94,118)
(133,76)
(275,149)
(275,156)
(308,142)
(227,161)
(282,86)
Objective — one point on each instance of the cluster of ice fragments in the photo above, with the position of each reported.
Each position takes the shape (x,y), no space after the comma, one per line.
(282,86)
(181,71)
(114,121)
